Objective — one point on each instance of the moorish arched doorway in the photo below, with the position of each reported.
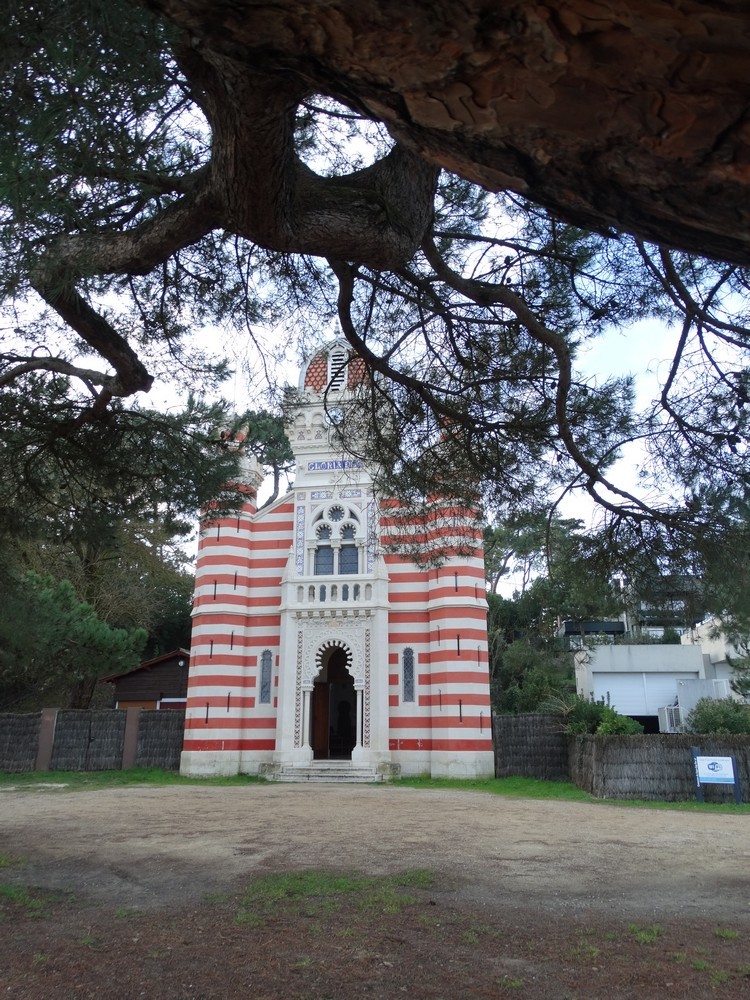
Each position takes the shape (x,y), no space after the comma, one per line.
(334,707)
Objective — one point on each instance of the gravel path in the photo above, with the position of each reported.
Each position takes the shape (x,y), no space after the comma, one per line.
(154,846)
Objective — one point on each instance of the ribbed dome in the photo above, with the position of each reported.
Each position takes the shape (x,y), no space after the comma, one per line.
(334,368)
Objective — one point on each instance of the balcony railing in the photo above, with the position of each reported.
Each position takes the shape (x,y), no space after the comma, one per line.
(352,591)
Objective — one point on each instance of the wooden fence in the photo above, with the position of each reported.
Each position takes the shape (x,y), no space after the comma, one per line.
(70,740)
(654,767)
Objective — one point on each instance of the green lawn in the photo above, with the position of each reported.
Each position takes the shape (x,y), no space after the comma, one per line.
(519,788)
(533,788)
(81,780)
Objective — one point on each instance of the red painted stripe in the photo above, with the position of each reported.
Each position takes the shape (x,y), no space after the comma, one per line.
(481,700)
(287,507)
(214,722)
(238,621)
(455,677)
(197,744)
(224,625)
(407,722)
(408,617)
(204,600)
(455,745)
(235,701)
(217,680)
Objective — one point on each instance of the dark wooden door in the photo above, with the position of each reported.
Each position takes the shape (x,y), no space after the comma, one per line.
(320,720)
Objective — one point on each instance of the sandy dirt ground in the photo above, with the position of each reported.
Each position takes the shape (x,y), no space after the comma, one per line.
(174,893)
(149,846)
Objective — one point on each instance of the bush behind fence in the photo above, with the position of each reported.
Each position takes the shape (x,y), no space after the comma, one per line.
(656,767)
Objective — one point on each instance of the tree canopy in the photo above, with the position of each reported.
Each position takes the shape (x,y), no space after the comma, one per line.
(473,192)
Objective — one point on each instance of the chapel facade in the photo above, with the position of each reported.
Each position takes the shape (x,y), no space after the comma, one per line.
(315,640)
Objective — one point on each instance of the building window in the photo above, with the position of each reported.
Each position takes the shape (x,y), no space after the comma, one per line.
(348,559)
(323,560)
(265,678)
(407,661)
(337,364)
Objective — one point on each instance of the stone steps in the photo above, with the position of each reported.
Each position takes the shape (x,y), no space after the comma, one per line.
(327,771)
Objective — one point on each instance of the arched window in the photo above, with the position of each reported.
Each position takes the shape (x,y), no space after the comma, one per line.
(407,662)
(336,551)
(264,697)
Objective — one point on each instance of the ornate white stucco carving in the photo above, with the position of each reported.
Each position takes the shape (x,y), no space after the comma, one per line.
(318,635)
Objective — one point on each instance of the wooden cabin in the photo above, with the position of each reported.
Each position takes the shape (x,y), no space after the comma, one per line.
(160,683)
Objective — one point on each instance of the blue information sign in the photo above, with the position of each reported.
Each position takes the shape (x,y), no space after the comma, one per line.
(715,771)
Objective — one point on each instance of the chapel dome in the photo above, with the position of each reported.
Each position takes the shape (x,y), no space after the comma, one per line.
(334,368)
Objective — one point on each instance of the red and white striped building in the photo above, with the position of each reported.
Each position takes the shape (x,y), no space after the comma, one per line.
(313,639)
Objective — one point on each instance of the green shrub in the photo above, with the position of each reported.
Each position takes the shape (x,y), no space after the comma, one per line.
(720,716)
(583,715)
(614,724)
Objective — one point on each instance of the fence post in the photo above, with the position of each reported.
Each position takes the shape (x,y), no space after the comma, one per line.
(130,741)
(46,739)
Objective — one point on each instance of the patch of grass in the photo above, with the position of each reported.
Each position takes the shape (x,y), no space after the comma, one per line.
(718,977)
(75,781)
(726,933)
(128,913)
(215,898)
(10,860)
(646,935)
(385,899)
(533,788)
(700,964)
(349,932)
(315,892)
(519,788)
(416,878)
(21,897)
(40,958)
(585,951)
(509,982)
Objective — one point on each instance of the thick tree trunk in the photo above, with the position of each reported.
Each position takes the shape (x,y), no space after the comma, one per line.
(625,115)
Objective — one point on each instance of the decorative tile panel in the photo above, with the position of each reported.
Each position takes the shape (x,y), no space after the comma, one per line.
(298,694)
(366,696)
(371,539)
(300,540)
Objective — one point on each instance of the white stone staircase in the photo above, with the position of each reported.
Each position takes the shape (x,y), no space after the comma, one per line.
(327,771)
